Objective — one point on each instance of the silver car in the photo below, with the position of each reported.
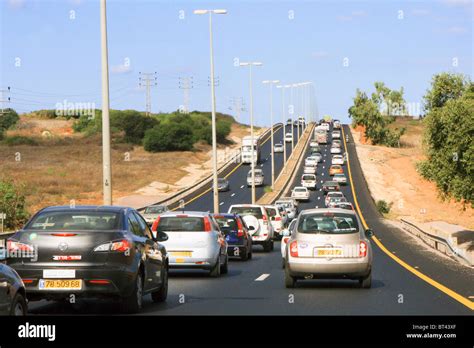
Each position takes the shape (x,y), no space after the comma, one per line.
(331,244)
(259,178)
(151,212)
(194,241)
(278,147)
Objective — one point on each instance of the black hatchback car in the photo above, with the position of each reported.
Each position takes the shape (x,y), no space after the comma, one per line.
(90,251)
(12,292)
(239,242)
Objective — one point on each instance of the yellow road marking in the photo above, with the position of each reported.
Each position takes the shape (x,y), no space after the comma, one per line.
(229,174)
(468,303)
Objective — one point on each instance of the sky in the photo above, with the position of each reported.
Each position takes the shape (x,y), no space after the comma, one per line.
(51,52)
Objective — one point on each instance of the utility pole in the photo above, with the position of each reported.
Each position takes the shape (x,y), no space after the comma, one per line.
(106,165)
(271,83)
(148,80)
(237,105)
(4,99)
(186,83)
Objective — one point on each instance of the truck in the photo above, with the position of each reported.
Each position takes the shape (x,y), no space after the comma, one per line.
(246,150)
(321,135)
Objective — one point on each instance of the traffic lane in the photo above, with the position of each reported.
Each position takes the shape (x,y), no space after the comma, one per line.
(410,249)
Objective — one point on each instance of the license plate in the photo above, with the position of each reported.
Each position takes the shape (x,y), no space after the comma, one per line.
(182,253)
(179,260)
(59,273)
(329,252)
(60,284)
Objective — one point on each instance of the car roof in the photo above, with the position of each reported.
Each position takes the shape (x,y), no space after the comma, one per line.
(225,215)
(327,210)
(185,212)
(103,208)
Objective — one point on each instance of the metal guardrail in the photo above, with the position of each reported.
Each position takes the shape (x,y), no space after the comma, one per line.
(448,248)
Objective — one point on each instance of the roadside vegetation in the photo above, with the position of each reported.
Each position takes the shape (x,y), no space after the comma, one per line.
(12,204)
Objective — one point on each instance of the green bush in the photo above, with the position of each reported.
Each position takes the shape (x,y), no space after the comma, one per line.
(383,207)
(12,203)
(8,119)
(169,137)
(19,140)
(223,128)
(133,123)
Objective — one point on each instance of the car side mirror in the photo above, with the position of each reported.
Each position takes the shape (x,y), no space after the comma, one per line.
(161,237)
(369,233)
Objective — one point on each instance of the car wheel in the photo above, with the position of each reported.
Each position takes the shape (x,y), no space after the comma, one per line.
(162,294)
(216,270)
(267,247)
(290,281)
(250,253)
(19,306)
(366,282)
(133,302)
(282,262)
(225,266)
(245,256)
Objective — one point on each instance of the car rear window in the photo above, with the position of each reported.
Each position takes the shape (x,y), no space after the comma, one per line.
(300,189)
(154,210)
(254,211)
(181,224)
(226,224)
(309,177)
(271,212)
(78,220)
(328,223)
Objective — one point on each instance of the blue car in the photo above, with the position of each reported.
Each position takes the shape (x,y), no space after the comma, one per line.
(239,241)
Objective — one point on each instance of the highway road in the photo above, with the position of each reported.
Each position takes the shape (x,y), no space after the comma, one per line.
(440,287)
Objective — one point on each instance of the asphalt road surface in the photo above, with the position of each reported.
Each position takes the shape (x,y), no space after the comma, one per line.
(256,286)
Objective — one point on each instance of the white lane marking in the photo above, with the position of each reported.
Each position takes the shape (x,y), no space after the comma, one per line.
(221,203)
(324,167)
(262,277)
(319,198)
(242,186)
(471,296)
(316,207)
(232,195)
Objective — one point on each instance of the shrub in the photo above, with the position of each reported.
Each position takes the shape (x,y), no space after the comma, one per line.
(133,123)
(383,207)
(12,203)
(169,137)
(19,140)
(8,119)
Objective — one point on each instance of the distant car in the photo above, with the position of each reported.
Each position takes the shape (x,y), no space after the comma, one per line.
(325,125)
(223,184)
(329,186)
(308,181)
(337,143)
(12,292)
(300,193)
(152,211)
(289,206)
(340,178)
(288,137)
(258,222)
(314,144)
(335,150)
(335,200)
(336,134)
(259,178)
(337,159)
(309,169)
(328,243)
(90,251)
(289,122)
(337,124)
(317,155)
(286,237)
(335,169)
(239,241)
(195,241)
(278,148)
(344,205)
(276,219)
(311,161)
(330,195)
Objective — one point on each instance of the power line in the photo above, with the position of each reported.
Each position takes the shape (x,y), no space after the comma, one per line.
(186,84)
(237,105)
(148,80)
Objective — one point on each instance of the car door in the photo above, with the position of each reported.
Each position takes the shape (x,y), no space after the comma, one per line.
(152,255)
(4,293)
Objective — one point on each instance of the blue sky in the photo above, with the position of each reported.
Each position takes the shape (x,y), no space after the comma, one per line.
(49,54)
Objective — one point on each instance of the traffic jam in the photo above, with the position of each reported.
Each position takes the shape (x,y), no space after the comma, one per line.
(122,254)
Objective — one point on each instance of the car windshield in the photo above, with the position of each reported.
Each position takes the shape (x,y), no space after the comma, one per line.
(271,211)
(339,176)
(300,189)
(309,177)
(177,223)
(254,211)
(328,223)
(221,181)
(75,220)
(226,224)
(330,183)
(155,210)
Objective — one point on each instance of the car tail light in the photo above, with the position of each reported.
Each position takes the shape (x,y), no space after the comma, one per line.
(362,249)
(27,281)
(265,220)
(64,234)
(286,239)
(207,225)
(13,247)
(277,218)
(154,227)
(294,249)
(240,231)
(118,246)
(99,281)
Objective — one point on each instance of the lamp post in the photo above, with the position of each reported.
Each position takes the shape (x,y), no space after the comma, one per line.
(213,107)
(283,113)
(272,82)
(250,64)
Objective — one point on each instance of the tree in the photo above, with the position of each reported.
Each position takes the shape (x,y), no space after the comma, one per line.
(169,137)
(12,203)
(133,123)
(8,119)
(444,87)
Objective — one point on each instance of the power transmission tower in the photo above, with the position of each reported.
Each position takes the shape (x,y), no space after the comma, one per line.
(186,83)
(148,80)
(4,100)
(237,105)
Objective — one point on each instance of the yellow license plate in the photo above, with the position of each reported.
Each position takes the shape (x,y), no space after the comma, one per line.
(328,252)
(179,260)
(182,253)
(60,284)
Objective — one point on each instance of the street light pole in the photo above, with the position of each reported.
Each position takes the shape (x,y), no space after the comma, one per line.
(292,119)
(272,82)
(215,190)
(283,116)
(106,166)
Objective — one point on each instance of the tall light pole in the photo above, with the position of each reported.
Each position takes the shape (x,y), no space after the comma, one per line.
(106,166)
(283,116)
(213,106)
(303,97)
(272,82)
(292,115)
(250,64)
(296,85)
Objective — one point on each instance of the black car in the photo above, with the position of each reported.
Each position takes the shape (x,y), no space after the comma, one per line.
(223,185)
(330,186)
(90,251)
(239,242)
(12,292)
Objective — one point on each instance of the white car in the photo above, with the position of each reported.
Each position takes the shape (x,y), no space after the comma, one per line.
(258,222)
(332,194)
(309,181)
(309,170)
(325,126)
(258,177)
(284,240)
(336,134)
(337,124)
(313,144)
(300,193)
(333,201)
(336,143)
(318,156)
(276,219)
(289,205)
(278,147)
(337,159)
(340,178)
(288,137)
(311,161)
(335,150)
